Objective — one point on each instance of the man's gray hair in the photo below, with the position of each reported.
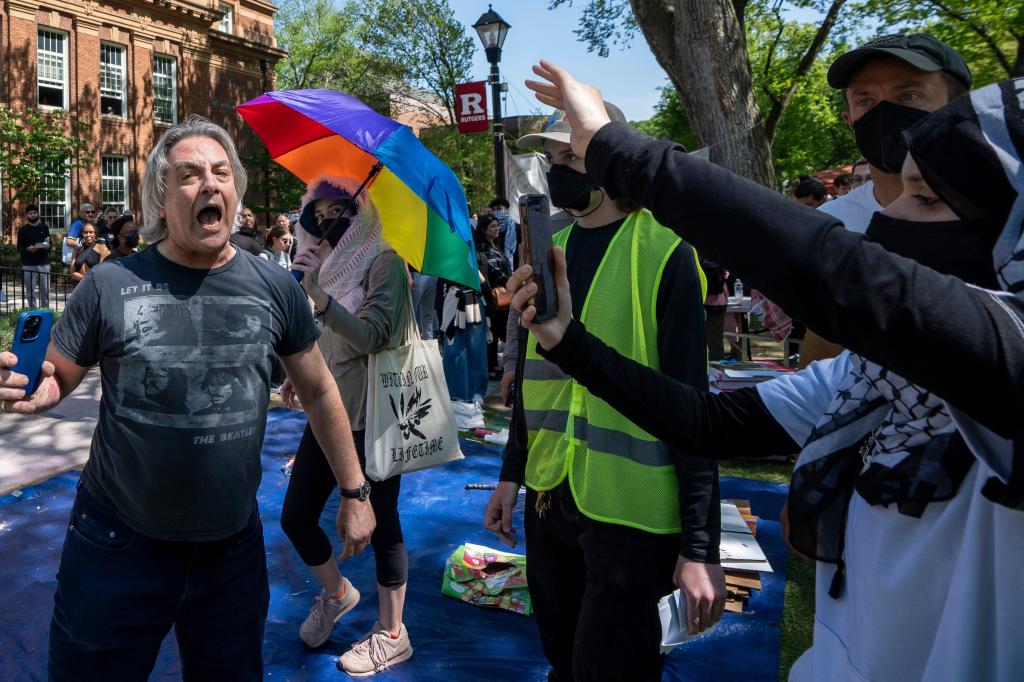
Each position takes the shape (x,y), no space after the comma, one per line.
(154,184)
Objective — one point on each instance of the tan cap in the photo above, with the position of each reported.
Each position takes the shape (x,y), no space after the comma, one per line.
(559,130)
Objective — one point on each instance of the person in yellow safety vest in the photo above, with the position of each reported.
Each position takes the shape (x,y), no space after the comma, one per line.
(612,524)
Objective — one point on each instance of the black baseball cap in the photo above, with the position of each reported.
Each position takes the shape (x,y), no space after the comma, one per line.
(920,50)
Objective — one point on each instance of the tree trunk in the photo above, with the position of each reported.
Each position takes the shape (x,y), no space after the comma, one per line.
(703,49)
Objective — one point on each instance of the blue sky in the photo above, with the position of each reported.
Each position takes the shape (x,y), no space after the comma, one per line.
(629,78)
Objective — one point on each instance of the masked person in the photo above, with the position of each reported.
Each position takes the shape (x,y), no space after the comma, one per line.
(360,290)
(909,489)
(888,84)
(602,492)
(124,237)
(499,208)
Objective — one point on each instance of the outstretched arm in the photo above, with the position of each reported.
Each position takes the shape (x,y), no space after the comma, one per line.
(932,329)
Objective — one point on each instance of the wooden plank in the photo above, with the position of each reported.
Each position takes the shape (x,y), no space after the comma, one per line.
(747,579)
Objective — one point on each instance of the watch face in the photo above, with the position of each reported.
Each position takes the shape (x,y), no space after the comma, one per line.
(364,490)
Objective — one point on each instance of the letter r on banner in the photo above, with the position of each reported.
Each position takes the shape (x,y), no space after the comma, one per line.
(471,103)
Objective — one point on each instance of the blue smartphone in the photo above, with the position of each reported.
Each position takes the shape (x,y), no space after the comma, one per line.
(31,339)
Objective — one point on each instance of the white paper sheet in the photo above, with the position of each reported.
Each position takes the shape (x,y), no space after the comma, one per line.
(672,610)
(732,520)
(741,551)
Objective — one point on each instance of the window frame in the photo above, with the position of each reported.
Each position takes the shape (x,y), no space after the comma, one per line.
(65,38)
(66,203)
(227,24)
(174,87)
(106,178)
(123,68)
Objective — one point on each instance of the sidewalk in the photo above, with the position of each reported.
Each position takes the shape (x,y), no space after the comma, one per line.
(37,447)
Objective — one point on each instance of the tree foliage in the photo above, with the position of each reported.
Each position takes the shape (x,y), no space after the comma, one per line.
(735,106)
(391,54)
(809,133)
(429,46)
(988,33)
(787,59)
(36,146)
(471,158)
(325,51)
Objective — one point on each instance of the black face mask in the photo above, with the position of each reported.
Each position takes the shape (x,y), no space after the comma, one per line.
(334,227)
(961,248)
(879,134)
(131,240)
(568,188)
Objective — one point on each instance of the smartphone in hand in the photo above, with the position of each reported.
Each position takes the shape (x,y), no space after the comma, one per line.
(535,219)
(31,339)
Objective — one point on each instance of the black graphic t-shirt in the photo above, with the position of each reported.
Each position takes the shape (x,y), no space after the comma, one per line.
(185,360)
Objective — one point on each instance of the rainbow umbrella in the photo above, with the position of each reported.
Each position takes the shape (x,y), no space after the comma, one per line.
(422,205)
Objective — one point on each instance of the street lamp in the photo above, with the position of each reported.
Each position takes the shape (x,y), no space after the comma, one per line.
(492,30)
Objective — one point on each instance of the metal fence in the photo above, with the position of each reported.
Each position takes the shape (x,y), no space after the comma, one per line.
(15,296)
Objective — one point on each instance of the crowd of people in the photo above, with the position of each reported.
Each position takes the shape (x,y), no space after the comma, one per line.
(89,240)
(908,489)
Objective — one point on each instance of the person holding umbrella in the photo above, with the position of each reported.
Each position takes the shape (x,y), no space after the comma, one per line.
(360,290)
(376,196)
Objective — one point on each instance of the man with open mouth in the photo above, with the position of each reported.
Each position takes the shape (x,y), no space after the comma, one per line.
(165,529)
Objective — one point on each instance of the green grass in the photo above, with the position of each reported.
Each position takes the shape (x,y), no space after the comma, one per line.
(7,323)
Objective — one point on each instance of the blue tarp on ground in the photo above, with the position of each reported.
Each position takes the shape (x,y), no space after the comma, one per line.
(453,641)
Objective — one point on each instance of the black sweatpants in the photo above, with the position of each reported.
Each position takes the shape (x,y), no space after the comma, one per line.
(312,483)
(595,589)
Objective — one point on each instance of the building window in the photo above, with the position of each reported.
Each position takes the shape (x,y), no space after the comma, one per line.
(227,23)
(165,89)
(54,197)
(52,65)
(112,80)
(114,182)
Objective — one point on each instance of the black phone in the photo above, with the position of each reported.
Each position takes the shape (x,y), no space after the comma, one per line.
(535,219)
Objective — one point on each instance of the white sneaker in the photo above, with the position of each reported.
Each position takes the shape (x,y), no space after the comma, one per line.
(319,624)
(375,652)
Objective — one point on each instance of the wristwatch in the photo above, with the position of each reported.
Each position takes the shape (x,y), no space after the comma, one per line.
(361,493)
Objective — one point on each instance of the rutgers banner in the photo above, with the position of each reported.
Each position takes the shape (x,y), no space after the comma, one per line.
(471,107)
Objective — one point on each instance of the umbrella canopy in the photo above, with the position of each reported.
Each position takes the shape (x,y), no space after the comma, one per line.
(421,204)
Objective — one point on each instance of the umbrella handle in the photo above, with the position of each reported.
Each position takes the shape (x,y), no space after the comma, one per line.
(298,274)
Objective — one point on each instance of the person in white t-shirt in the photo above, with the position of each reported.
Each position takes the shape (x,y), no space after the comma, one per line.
(888,84)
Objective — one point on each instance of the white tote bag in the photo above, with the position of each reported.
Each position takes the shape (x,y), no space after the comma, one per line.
(409,420)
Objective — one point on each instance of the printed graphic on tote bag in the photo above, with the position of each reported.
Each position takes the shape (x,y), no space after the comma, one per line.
(410,415)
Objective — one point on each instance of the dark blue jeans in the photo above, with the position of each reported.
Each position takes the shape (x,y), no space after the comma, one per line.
(119,593)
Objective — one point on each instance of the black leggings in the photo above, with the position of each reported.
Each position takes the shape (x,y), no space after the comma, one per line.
(312,483)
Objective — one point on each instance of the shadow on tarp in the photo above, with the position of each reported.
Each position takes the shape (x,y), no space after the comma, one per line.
(452,640)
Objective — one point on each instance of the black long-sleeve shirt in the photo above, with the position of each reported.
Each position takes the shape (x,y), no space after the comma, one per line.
(28,235)
(682,355)
(964,344)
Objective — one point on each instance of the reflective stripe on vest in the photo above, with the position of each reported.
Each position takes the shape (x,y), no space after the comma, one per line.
(618,473)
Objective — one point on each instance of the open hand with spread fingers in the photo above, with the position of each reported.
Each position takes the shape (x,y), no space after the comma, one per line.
(582,103)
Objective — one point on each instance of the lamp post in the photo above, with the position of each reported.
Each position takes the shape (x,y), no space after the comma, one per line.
(492,30)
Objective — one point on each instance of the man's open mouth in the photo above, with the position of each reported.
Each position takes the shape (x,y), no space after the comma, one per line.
(209,216)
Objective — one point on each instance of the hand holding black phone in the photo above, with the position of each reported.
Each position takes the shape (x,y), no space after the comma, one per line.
(535,218)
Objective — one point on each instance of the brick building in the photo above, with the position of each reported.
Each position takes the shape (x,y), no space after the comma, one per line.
(130,69)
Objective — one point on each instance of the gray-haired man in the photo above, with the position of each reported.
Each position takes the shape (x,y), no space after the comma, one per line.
(165,530)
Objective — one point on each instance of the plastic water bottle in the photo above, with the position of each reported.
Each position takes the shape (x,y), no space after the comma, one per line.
(737,289)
